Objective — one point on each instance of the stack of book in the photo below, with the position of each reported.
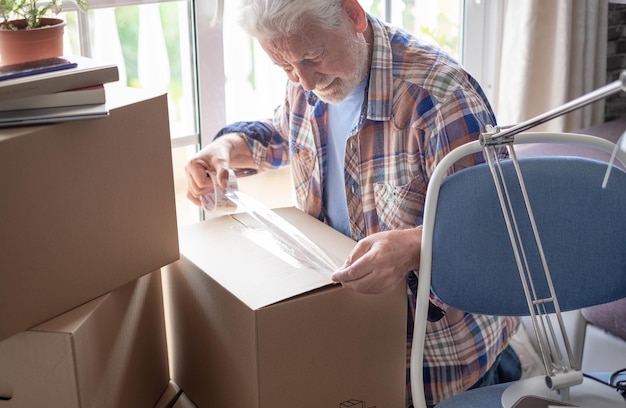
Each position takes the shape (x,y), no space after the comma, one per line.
(54,90)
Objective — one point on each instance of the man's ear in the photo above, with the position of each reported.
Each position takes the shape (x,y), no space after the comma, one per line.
(356,14)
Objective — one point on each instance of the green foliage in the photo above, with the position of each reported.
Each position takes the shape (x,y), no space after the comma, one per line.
(127,20)
(445,35)
(32,11)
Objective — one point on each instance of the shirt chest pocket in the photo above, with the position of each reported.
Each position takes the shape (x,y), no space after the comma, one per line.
(400,206)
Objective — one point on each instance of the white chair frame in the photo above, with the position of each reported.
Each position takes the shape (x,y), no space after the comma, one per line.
(430,206)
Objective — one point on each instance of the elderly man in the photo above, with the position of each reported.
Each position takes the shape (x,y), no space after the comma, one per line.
(369,111)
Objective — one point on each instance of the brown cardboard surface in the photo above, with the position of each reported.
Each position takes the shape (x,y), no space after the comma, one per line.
(87,206)
(319,346)
(169,396)
(110,352)
(256,290)
(183,402)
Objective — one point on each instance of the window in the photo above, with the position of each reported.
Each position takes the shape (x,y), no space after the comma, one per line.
(186,47)
(153,46)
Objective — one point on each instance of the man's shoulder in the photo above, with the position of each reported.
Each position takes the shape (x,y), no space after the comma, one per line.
(419,62)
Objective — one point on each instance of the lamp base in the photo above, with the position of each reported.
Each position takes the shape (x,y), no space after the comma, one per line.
(589,394)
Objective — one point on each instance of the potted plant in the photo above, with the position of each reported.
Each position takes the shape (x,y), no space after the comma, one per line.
(29,30)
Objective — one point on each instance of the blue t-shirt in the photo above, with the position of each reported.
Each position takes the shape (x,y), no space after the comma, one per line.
(343,119)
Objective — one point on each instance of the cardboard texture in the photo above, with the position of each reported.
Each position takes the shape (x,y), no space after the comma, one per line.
(174,397)
(307,344)
(87,206)
(169,396)
(183,402)
(110,352)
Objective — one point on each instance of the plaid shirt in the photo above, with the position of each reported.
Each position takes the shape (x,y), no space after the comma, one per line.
(420,105)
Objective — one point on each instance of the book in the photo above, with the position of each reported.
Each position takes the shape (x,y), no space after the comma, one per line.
(52,115)
(88,72)
(90,95)
(40,66)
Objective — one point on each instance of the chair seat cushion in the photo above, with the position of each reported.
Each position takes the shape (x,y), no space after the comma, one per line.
(609,316)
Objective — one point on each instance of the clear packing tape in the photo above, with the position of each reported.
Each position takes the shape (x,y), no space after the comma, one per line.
(288,241)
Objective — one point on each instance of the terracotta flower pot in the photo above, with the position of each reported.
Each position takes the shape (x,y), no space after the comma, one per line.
(27,45)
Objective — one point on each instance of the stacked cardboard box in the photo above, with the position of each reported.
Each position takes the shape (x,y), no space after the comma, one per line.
(100,308)
(110,352)
(88,220)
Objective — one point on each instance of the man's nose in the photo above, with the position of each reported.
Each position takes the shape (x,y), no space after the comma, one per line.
(307,77)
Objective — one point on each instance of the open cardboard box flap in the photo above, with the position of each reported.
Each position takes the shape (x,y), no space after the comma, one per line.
(235,263)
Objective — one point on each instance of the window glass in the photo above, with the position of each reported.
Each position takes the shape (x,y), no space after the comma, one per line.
(437,20)
(176,47)
(152,44)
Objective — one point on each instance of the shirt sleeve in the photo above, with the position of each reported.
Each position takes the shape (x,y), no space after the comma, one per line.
(260,132)
(267,146)
(458,119)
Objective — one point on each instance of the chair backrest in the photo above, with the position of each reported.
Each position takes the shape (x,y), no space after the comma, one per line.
(582,228)
(467,257)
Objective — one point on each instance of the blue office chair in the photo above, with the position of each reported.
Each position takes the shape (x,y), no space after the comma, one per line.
(482,256)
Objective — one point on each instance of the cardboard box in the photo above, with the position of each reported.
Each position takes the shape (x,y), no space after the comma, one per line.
(87,206)
(174,397)
(247,328)
(169,396)
(183,401)
(110,352)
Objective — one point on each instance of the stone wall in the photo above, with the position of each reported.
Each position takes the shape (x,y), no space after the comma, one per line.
(616,59)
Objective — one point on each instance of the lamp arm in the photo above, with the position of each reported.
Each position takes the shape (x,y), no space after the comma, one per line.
(505,135)
(560,376)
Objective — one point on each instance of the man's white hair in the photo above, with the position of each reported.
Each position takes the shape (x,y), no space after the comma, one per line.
(270,19)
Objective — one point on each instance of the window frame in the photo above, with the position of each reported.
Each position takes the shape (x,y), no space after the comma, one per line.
(482,42)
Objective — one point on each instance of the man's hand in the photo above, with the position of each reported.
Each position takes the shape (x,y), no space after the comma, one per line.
(379,262)
(216,158)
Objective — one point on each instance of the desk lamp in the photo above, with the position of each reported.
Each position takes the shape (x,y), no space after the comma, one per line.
(564,383)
